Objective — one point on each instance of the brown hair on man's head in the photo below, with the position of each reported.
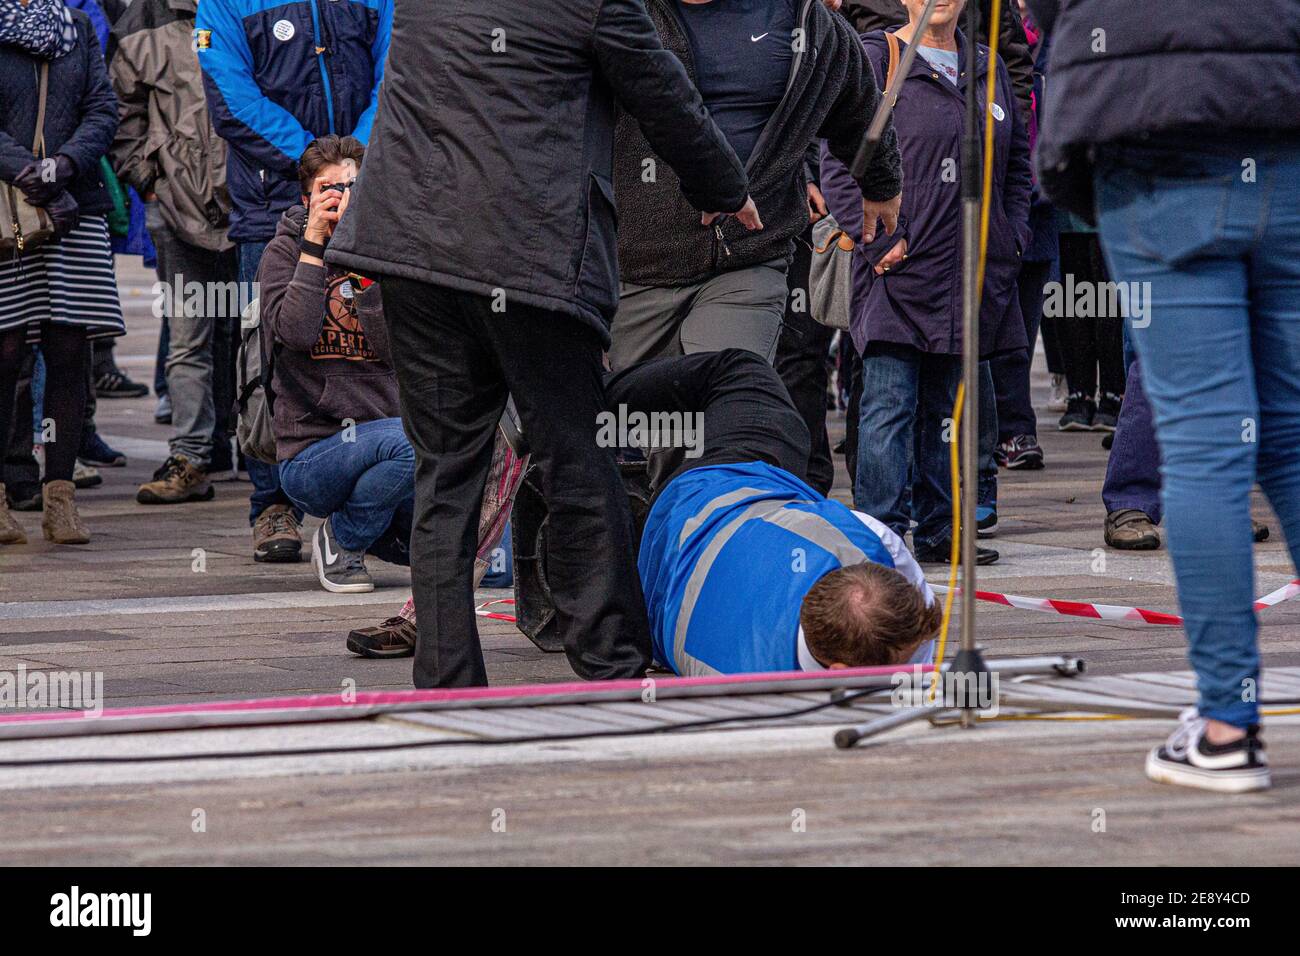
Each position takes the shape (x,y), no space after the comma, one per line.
(329,150)
(866,615)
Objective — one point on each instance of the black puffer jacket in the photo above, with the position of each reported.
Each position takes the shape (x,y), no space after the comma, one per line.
(1191,70)
(490,164)
(80,113)
(832,94)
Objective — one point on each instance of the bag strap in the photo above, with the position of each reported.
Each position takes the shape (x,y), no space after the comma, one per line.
(892,40)
(38,143)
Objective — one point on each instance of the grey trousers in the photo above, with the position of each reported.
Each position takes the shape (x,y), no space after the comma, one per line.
(741,309)
(190,352)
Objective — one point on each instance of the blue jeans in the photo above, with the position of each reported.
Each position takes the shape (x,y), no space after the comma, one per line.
(1220,355)
(265,478)
(361,484)
(906,397)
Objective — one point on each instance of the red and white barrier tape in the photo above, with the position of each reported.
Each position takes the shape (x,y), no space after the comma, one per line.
(1097,612)
(482,610)
(1111,612)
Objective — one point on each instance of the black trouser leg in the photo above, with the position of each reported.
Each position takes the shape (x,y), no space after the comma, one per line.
(91,404)
(12,348)
(801,358)
(19,466)
(747,413)
(1011,370)
(1083,338)
(853,415)
(553,369)
(452,394)
(1052,345)
(455,360)
(66,358)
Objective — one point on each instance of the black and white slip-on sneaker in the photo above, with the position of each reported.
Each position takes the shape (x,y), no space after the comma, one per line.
(1188,759)
(339,570)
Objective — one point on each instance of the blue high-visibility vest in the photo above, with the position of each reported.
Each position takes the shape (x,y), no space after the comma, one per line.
(727,555)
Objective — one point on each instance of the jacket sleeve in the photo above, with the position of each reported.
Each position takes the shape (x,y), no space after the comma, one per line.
(1018,188)
(14,156)
(98,109)
(1013,47)
(378,54)
(844,202)
(130,160)
(264,131)
(652,85)
(292,296)
(849,118)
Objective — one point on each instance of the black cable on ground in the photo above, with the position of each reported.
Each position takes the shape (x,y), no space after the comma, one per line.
(416,744)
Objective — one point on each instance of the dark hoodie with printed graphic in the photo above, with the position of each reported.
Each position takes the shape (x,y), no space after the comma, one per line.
(332,361)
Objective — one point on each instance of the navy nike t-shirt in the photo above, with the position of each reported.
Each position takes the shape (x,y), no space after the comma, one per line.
(743,51)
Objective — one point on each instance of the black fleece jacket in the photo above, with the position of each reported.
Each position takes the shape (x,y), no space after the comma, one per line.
(832,94)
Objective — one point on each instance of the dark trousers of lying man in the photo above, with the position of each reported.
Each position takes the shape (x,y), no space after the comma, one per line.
(747,569)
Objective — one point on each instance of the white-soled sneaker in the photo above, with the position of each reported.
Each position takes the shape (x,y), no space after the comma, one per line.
(339,570)
(1188,759)
(1059,396)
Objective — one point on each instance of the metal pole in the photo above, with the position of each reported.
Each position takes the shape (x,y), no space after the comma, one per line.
(968,659)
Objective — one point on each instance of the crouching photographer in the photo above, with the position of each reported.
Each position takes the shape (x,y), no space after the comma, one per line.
(343,455)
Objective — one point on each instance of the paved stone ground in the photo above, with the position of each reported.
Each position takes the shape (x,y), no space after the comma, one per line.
(135,605)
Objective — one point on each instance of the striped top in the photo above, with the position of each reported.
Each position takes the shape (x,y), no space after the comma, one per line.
(68,282)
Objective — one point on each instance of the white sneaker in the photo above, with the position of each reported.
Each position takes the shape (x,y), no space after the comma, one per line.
(1059,399)
(86,476)
(1188,759)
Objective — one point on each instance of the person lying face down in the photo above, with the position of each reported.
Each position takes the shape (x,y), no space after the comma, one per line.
(745,568)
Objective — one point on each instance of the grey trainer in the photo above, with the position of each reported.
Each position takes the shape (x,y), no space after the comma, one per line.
(340,570)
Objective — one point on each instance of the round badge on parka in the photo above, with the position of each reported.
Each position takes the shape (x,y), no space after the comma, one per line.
(998,113)
(283,30)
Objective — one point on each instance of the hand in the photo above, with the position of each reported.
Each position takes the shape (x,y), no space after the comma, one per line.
(816,203)
(43,179)
(322,211)
(886,212)
(64,213)
(892,258)
(747,214)
(150,196)
(833,5)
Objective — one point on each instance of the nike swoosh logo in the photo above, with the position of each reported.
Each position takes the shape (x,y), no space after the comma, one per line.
(755,39)
(330,556)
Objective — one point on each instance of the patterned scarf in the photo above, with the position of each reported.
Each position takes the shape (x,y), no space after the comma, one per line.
(43,28)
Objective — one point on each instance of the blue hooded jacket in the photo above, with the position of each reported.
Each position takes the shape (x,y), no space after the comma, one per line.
(277,75)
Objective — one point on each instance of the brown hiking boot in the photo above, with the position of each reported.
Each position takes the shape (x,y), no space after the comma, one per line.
(176,482)
(61,523)
(1131,530)
(276,537)
(394,638)
(11,532)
